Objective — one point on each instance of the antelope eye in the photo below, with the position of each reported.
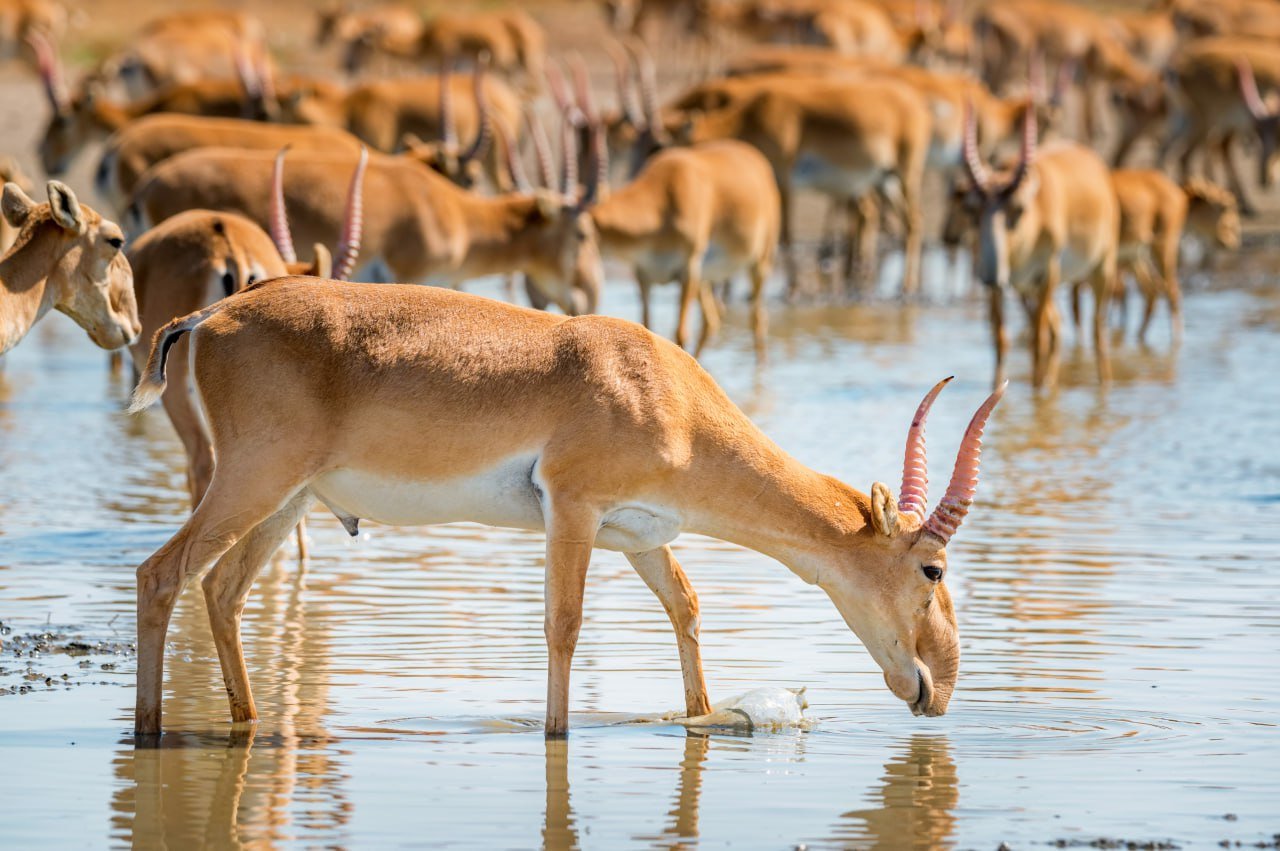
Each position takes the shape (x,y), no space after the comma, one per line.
(115,242)
(932,572)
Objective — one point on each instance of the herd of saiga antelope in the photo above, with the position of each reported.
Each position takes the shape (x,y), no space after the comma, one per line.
(412,404)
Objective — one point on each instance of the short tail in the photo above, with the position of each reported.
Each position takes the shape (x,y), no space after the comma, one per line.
(152,383)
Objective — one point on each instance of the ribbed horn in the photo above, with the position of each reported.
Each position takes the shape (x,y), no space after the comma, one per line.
(560,93)
(1036,76)
(951,511)
(542,150)
(599,178)
(50,70)
(279,216)
(448,130)
(1027,150)
(514,167)
(648,84)
(628,102)
(352,222)
(1066,75)
(973,163)
(582,90)
(913,496)
(569,160)
(1249,91)
(484,129)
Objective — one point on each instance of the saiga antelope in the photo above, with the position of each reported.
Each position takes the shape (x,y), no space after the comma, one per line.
(842,138)
(418,226)
(1052,220)
(398,114)
(195,258)
(79,120)
(187,47)
(146,141)
(1153,213)
(66,257)
(440,406)
(19,19)
(1215,81)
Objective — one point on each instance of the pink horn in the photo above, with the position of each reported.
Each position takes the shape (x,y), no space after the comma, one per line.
(560,93)
(972,158)
(1066,75)
(628,104)
(514,167)
(1249,91)
(352,222)
(951,511)
(582,90)
(569,161)
(50,72)
(913,496)
(1036,76)
(484,132)
(279,218)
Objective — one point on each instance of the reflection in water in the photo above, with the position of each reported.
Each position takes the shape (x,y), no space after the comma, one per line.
(916,802)
(1113,593)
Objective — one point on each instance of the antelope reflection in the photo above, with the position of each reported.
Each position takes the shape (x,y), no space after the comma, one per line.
(214,790)
(915,804)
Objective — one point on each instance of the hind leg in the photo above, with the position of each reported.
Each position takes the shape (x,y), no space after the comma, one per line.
(710,317)
(662,573)
(226,588)
(238,499)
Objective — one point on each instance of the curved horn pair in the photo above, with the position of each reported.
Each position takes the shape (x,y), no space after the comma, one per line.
(542,150)
(914,493)
(448,129)
(484,129)
(977,169)
(599,175)
(352,217)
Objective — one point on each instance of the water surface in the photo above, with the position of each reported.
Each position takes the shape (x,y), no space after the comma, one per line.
(1117,591)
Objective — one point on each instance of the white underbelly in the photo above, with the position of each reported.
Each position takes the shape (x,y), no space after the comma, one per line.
(502,495)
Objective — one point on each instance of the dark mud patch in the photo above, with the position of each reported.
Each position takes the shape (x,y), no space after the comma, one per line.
(57,659)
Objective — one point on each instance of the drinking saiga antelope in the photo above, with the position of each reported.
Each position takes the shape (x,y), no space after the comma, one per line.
(66,257)
(416,405)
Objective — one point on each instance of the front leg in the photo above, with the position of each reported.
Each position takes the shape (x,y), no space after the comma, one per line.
(571,533)
(661,572)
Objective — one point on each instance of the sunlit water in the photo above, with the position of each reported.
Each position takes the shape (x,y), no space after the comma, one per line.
(1117,588)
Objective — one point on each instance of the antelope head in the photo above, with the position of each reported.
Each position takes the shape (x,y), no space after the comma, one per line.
(565,266)
(323,266)
(463,167)
(87,277)
(1266,118)
(1212,213)
(998,200)
(896,600)
(70,128)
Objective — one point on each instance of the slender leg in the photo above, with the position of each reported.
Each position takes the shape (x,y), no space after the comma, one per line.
(1041,327)
(710,317)
(571,532)
(661,572)
(1173,289)
(999,333)
(788,246)
(1103,279)
(1236,183)
(304,552)
(646,290)
(759,318)
(227,586)
(230,509)
(690,285)
(1150,291)
(537,299)
(914,251)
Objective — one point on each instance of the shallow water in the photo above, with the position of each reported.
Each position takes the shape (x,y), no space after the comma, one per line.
(1116,586)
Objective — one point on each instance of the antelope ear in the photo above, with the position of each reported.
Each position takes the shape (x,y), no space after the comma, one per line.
(65,207)
(884,511)
(323,265)
(410,141)
(548,205)
(17,205)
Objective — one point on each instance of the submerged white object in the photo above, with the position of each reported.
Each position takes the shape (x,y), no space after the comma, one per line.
(765,708)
